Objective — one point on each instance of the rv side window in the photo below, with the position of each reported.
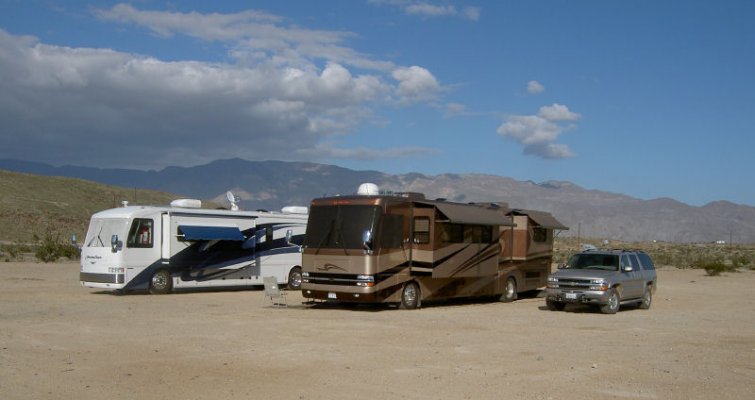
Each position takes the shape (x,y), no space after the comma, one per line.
(141,233)
(452,233)
(539,234)
(392,232)
(471,234)
(268,237)
(421,230)
(487,234)
(478,234)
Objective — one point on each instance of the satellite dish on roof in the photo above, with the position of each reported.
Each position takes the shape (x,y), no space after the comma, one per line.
(368,189)
(233,200)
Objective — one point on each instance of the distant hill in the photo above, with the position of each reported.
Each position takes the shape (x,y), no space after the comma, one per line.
(34,205)
(589,213)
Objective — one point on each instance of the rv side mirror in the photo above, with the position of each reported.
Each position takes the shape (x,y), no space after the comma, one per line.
(367,240)
(114,243)
(289,237)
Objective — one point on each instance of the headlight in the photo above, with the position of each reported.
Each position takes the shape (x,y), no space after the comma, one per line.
(366,280)
(305,274)
(599,285)
(552,282)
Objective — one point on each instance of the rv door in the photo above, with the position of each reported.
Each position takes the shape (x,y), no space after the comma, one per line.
(165,238)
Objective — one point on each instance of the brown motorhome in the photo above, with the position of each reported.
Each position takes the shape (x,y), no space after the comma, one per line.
(402,248)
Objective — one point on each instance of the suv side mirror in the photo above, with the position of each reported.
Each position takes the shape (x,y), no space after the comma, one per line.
(626,268)
(561,266)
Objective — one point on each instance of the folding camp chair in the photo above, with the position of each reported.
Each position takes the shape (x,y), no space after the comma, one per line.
(273,291)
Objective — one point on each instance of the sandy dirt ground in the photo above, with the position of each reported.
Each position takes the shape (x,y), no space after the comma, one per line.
(59,340)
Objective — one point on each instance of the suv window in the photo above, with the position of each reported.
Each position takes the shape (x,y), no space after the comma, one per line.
(635,261)
(625,262)
(647,262)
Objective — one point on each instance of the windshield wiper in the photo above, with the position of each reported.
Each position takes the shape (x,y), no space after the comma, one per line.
(325,236)
(102,244)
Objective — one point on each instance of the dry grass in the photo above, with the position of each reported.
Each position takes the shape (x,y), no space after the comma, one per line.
(36,208)
(680,255)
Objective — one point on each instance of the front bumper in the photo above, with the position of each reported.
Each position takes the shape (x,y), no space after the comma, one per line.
(366,297)
(577,296)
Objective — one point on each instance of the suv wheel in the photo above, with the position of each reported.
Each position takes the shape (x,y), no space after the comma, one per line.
(613,303)
(554,305)
(647,298)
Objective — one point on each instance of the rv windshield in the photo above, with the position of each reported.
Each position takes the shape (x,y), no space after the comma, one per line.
(101,230)
(340,226)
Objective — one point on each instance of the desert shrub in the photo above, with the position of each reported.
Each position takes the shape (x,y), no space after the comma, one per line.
(13,251)
(715,268)
(713,265)
(742,261)
(52,248)
(663,258)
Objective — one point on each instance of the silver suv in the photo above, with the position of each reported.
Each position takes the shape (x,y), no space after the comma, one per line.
(604,278)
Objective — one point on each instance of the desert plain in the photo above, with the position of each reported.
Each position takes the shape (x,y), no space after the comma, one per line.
(59,340)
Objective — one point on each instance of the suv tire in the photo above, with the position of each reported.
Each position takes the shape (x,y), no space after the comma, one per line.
(647,298)
(613,303)
(555,305)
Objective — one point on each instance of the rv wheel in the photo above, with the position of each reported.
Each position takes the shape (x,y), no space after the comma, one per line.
(411,296)
(509,293)
(161,282)
(294,279)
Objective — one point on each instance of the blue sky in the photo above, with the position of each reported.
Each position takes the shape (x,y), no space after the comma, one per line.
(646,98)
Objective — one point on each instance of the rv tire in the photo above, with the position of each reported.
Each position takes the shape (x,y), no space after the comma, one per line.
(161,282)
(294,279)
(509,292)
(411,297)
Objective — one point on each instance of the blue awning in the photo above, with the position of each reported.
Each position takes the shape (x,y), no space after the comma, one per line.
(190,232)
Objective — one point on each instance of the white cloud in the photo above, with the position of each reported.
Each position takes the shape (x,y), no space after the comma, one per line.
(416,84)
(363,153)
(430,10)
(471,13)
(290,91)
(538,133)
(558,112)
(534,87)
(454,109)
(254,36)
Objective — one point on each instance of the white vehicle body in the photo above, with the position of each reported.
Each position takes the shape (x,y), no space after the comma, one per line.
(131,248)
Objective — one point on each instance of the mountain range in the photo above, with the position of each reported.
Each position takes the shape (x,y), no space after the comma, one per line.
(589,213)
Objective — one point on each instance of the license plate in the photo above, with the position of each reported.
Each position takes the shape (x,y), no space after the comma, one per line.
(331,295)
(571,296)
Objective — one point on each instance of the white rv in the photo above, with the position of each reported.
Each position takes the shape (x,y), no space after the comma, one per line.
(183,246)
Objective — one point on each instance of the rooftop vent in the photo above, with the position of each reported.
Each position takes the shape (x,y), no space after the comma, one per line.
(186,203)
